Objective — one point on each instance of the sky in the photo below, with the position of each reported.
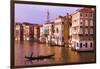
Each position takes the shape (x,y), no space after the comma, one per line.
(38,13)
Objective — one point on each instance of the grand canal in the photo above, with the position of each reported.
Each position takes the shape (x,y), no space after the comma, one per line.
(61,54)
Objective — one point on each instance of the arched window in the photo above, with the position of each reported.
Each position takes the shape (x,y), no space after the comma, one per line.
(80,45)
(86,45)
(77,44)
(91,44)
(57,30)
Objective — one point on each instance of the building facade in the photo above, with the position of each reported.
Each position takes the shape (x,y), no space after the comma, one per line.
(30,31)
(58,31)
(66,30)
(36,32)
(18,31)
(47,31)
(82,29)
(42,38)
(26,31)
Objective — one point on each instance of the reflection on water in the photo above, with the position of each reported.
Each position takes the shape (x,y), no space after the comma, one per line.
(61,54)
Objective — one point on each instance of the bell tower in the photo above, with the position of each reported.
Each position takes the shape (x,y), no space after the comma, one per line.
(48,17)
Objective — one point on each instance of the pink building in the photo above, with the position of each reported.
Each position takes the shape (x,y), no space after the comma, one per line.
(18,31)
(27,31)
(82,29)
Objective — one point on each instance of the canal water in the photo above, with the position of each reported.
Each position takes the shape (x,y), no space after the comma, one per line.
(62,55)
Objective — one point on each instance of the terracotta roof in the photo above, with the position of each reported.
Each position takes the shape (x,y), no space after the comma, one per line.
(88,10)
(26,23)
(49,23)
(18,23)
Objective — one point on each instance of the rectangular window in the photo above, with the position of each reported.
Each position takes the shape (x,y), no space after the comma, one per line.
(86,30)
(81,30)
(81,15)
(75,20)
(91,38)
(86,22)
(81,20)
(77,44)
(91,15)
(91,31)
(63,23)
(57,30)
(91,22)
(74,28)
(81,23)
(86,14)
